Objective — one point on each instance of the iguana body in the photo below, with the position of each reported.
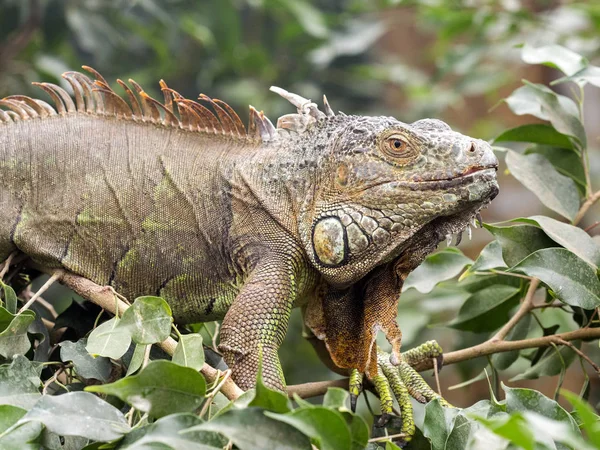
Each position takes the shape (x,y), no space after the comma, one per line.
(326,212)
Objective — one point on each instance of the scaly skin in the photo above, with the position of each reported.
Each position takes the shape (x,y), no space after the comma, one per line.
(328,212)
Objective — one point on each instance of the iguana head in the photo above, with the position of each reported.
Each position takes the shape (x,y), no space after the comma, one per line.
(385,185)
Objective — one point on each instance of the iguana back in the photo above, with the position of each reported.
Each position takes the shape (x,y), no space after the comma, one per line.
(143,205)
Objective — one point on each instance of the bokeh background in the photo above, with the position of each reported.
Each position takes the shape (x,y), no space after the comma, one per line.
(453,60)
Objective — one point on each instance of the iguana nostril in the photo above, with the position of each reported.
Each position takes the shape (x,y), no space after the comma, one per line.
(472,148)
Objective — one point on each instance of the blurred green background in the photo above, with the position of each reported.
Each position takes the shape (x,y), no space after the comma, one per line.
(453,60)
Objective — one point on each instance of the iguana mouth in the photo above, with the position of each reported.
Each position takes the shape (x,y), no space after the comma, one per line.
(468,176)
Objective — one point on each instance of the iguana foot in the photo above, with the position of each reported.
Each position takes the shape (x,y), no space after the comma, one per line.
(404,382)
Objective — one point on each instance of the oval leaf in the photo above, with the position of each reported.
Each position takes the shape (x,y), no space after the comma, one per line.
(250,429)
(148,320)
(79,414)
(440,266)
(556,191)
(108,340)
(324,426)
(570,237)
(487,309)
(572,280)
(538,133)
(85,364)
(161,388)
(189,351)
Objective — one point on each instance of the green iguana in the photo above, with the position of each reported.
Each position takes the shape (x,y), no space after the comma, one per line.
(178,199)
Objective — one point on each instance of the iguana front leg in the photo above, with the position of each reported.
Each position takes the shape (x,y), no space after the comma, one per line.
(256,323)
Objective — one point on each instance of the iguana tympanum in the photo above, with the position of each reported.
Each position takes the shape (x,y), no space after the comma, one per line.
(178,199)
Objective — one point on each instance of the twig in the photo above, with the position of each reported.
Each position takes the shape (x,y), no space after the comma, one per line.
(510,274)
(522,312)
(591,227)
(436,372)
(214,338)
(586,205)
(315,388)
(580,353)
(103,296)
(7,265)
(146,355)
(55,276)
(387,438)
(214,392)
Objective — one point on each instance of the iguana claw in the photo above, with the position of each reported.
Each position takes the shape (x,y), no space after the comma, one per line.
(404,382)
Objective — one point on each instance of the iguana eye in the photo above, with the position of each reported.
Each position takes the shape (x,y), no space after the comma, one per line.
(398,148)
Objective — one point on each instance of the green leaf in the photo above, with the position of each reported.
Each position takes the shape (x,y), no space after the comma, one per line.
(251,429)
(148,320)
(570,237)
(553,363)
(519,241)
(85,364)
(22,436)
(168,431)
(109,340)
(14,339)
(486,310)
(566,162)
(189,351)
(325,427)
(536,173)
(438,423)
(543,103)
(10,298)
(513,428)
(571,279)
(538,133)
(590,74)
(553,433)
(502,361)
(9,415)
(557,56)
(359,430)
(79,414)
(19,383)
(489,258)
(590,421)
(439,266)
(161,388)
(137,359)
(522,399)
(269,399)
(336,398)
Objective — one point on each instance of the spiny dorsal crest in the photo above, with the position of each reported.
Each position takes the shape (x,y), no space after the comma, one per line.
(213,117)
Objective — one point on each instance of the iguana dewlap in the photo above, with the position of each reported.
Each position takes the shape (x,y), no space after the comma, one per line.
(178,199)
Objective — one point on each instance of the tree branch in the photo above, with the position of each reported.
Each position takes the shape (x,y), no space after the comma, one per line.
(586,205)
(523,310)
(104,297)
(489,347)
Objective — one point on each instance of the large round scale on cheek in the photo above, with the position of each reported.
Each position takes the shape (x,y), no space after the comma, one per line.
(329,241)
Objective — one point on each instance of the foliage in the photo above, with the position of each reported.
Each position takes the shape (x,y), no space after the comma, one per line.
(110,388)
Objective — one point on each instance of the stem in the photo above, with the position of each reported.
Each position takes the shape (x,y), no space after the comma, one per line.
(56,275)
(580,353)
(524,309)
(593,198)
